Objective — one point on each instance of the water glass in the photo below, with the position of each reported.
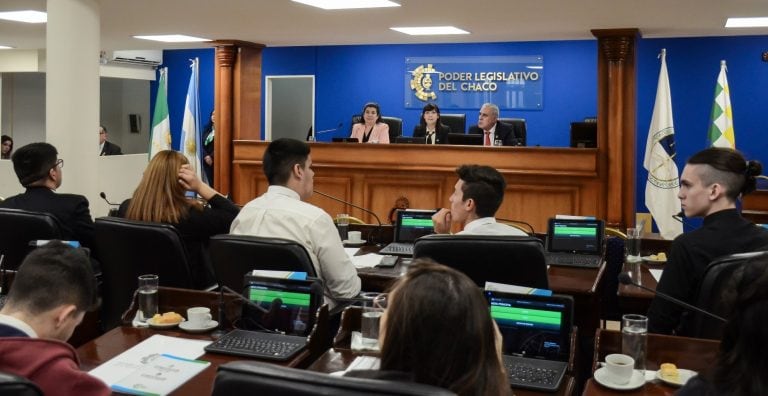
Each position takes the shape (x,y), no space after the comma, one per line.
(148,300)
(342,224)
(632,245)
(634,339)
(371,320)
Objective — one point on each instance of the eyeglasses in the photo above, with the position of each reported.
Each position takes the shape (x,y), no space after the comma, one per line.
(59,163)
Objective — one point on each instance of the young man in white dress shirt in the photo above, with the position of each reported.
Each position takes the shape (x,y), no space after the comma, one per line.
(476,197)
(283,213)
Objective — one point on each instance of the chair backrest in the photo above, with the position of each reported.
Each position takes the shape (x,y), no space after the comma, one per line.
(457,122)
(515,260)
(252,377)
(127,249)
(518,128)
(14,385)
(19,227)
(614,261)
(235,255)
(713,282)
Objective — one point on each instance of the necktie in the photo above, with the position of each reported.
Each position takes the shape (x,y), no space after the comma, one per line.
(487,138)
(429,137)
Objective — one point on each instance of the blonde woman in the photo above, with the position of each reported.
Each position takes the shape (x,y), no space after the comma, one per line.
(161,198)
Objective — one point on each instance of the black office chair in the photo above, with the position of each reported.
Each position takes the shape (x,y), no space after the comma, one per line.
(614,262)
(518,128)
(235,255)
(714,280)
(457,122)
(14,385)
(253,377)
(395,125)
(19,227)
(514,260)
(127,249)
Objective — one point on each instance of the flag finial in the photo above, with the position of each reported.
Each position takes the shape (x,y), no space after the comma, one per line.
(722,62)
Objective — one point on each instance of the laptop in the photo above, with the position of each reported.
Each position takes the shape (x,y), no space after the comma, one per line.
(467,139)
(411,140)
(575,242)
(411,224)
(277,317)
(536,337)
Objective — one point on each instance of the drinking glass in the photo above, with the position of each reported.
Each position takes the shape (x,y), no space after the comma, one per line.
(342,224)
(148,300)
(634,339)
(371,320)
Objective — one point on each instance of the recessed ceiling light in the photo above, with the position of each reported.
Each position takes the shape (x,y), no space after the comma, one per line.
(28,16)
(429,30)
(2,47)
(746,22)
(173,38)
(348,4)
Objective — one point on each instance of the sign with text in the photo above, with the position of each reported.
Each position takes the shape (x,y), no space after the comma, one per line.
(466,82)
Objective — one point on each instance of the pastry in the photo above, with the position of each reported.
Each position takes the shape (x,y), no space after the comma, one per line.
(668,372)
(167,318)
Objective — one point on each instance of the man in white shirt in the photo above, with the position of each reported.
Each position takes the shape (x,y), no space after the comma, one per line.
(281,212)
(476,196)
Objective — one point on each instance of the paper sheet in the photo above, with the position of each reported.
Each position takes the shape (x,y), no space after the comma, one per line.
(351,252)
(656,273)
(161,376)
(118,367)
(367,260)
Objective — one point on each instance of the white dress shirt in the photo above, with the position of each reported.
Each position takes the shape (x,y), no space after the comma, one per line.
(280,213)
(489,226)
(18,324)
(492,134)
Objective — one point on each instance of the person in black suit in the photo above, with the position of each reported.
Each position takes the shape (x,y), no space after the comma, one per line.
(39,171)
(488,122)
(430,127)
(107,148)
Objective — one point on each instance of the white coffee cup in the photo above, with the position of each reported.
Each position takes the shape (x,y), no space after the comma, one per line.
(354,236)
(199,316)
(619,368)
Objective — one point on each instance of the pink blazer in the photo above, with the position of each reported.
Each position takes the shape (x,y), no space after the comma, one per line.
(380,133)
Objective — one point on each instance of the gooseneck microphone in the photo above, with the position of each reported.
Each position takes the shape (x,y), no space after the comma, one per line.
(625,279)
(324,131)
(104,197)
(114,209)
(681,218)
(378,229)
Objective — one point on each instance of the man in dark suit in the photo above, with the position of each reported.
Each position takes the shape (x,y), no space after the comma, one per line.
(488,123)
(39,171)
(107,148)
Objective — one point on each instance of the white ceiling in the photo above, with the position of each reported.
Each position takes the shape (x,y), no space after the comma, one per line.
(285,23)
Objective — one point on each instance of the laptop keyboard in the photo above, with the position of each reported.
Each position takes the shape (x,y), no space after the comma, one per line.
(573,260)
(534,374)
(398,248)
(258,345)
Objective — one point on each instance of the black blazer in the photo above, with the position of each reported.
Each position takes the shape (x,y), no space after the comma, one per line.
(71,210)
(503,131)
(441,133)
(196,228)
(110,149)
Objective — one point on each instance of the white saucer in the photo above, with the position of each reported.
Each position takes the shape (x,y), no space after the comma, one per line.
(656,261)
(354,243)
(684,374)
(152,324)
(637,380)
(186,326)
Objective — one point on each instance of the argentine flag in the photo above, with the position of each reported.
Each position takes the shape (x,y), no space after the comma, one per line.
(190,127)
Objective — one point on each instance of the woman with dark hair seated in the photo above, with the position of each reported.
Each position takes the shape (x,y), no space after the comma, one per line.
(430,128)
(741,367)
(437,330)
(161,198)
(371,129)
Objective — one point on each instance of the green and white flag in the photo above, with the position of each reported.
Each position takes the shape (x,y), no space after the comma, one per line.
(721,132)
(161,124)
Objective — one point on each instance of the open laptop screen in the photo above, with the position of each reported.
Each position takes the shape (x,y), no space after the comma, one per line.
(575,236)
(533,326)
(413,224)
(285,305)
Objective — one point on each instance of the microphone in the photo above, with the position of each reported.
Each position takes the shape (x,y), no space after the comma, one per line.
(680,216)
(625,279)
(378,229)
(518,221)
(324,131)
(112,211)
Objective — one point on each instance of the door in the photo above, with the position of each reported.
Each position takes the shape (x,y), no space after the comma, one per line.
(290,107)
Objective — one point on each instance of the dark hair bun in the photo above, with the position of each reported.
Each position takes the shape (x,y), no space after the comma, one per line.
(754,168)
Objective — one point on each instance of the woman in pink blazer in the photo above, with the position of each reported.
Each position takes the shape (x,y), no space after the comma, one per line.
(370,129)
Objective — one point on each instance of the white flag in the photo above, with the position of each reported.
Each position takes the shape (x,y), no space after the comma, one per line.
(161,124)
(190,127)
(663,183)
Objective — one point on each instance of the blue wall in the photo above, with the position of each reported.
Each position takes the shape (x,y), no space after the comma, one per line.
(348,76)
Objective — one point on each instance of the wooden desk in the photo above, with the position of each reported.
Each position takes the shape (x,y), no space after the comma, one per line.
(341,356)
(633,299)
(688,353)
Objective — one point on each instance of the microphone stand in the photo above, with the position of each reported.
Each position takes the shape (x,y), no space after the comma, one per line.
(626,280)
(378,228)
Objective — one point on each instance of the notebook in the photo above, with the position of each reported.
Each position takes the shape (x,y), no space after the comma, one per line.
(411,224)
(575,242)
(536,333)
